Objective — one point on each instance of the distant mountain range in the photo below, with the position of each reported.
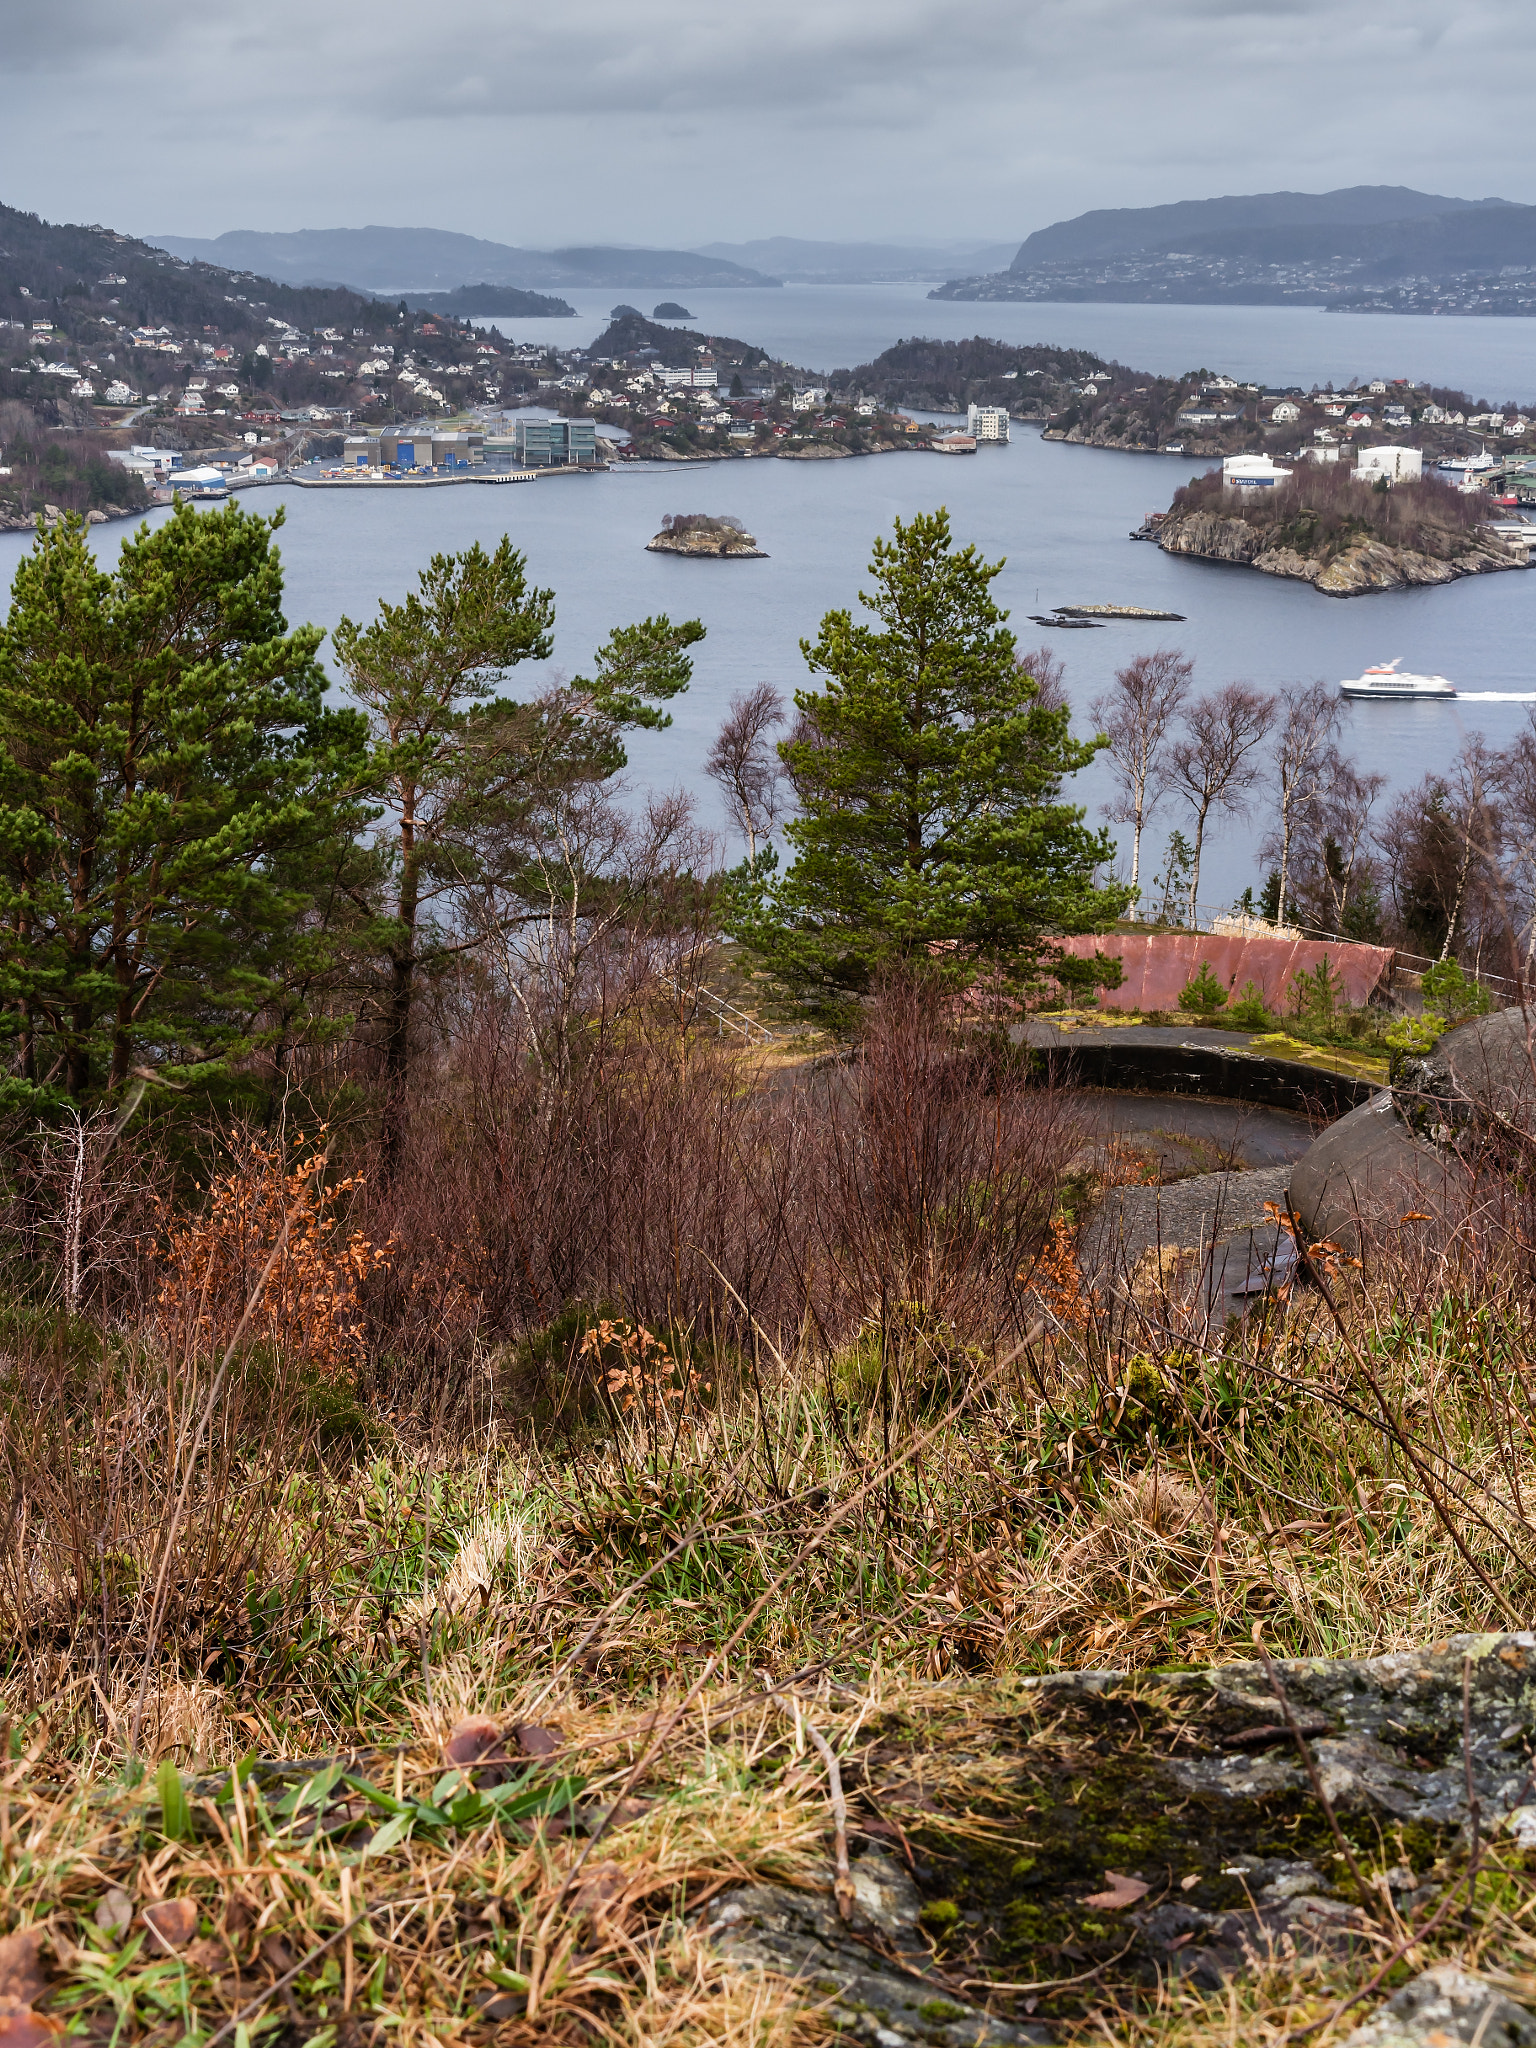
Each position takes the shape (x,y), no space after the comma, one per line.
(800,262)
(1325,248)
(389,260)
(1192,223)
(420,260)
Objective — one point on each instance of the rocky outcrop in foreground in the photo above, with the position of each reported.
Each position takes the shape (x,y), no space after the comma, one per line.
(1104,1830)
(1367,566)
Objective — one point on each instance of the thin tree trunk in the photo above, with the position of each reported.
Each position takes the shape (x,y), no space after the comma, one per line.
(1461,891)
(1285,858)
(1136,825)
(1201,814)
(402,965)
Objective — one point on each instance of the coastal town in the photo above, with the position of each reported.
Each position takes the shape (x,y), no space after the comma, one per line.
(159,379)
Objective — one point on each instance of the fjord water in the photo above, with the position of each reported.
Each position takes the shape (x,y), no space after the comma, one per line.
(829,327)
(1060,515)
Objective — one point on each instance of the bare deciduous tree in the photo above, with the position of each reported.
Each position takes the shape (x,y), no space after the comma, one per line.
(1050,673)
(1443,844)
(1215,764)
(1331,858)
(1311,719)
(1479,829)
(746,766)
(1136,715)
(1514,778)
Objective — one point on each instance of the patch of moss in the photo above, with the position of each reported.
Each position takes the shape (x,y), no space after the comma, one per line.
(1095,1794)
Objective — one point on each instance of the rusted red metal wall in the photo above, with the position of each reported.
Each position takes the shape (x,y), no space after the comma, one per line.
(1157,965)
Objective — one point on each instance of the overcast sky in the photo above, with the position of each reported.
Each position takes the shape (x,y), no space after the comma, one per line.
(676,122)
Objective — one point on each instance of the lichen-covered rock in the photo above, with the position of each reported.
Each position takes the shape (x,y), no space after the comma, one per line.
(1443,2006)
(1089,1834)
(798,1934)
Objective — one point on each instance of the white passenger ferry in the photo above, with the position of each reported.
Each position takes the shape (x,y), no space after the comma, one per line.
(1388,680)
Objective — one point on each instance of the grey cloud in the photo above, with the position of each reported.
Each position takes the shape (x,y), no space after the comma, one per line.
(686,120)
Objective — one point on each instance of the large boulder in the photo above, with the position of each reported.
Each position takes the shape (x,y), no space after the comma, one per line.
(1483,1072)
(1402,1154)
(1364,1175)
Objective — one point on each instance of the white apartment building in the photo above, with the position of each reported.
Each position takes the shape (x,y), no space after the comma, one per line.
(987,422)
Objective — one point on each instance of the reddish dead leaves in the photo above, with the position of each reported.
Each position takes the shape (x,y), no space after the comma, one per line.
(1121,1892)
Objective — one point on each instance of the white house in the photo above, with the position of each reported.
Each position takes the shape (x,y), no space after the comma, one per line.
(1251,473)
(1285,412)
(986,422)
(1397,465)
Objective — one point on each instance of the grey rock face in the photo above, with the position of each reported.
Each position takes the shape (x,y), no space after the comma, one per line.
(879,1996)
(1443,2006)
(1381,1714)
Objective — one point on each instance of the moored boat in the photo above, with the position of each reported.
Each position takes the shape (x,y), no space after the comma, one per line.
(1401,685)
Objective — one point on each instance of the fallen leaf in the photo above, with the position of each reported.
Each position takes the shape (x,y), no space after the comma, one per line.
(114,1911)
(533,1740)
(1123,1891)
(208,1955)
(475,1741)
(276,1953)
(27,2029)
(239,1914)
(21,1969)
(1187,1884)
(173,1921)
(601,1885)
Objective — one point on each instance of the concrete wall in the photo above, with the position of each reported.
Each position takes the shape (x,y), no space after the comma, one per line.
(1156,965)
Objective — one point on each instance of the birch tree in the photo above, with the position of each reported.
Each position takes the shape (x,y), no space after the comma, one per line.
(1308,724)
(1216,764)
(745,766)
(1136,715)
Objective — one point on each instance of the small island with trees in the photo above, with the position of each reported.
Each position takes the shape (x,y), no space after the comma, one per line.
(705,533)
(1343,536)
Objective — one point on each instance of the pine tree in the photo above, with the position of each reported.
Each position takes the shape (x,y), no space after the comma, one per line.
(166,767)
(459,764)
(928,777)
